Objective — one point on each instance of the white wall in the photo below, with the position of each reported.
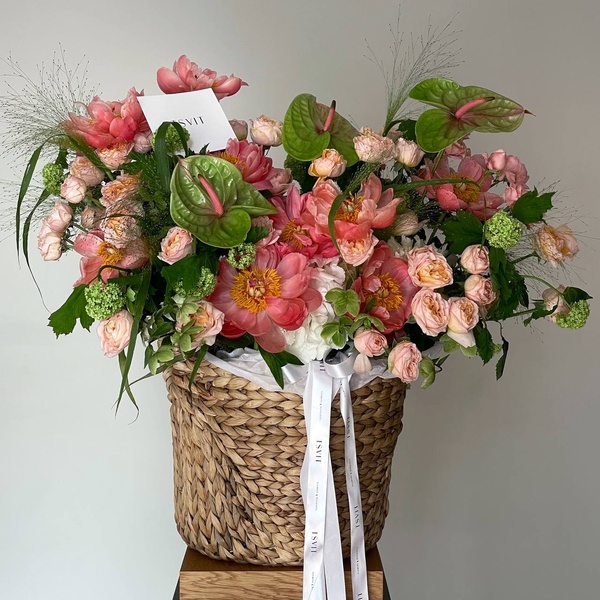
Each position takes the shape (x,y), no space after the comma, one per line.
(496,485)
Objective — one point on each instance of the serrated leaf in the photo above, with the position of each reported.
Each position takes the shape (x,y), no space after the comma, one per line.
(502,360)
(459,111)
(64,319)
(531,207)
(484,343)
(462,230)
(508,283)
(223,223)
(573,294)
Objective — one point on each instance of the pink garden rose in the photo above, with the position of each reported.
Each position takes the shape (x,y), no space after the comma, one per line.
(123,187)
(356,244)
(374,148)
(408,153)
(480,290)
(210,319)
(186,76)
(404,361)
(142,142)
(92,216)
(475,259)
(330,164)
(256,168)
(177,244)
(49,243)
(114,333)
(268,297)
(508,166)
(385,283)
(116,155)
(430,311)
(73,189)
(82,168)
(265,131)
(59,218)
(464,315)
(121,223)
(428,268)
(555,244)
(280,181)
(554,301)
(368,343)
(240,128)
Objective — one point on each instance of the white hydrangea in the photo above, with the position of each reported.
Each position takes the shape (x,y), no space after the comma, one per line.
(306,342)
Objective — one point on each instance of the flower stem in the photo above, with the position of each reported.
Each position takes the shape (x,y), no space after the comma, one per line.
(518,260)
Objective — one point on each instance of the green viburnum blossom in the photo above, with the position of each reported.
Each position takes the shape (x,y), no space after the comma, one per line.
(242,256)
(103,300)
(53,177)
(204,287)
(503,231)
(576,318)
(172,139)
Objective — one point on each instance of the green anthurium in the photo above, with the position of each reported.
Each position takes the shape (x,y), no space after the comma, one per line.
(461,110)
(210,199)
(310,127)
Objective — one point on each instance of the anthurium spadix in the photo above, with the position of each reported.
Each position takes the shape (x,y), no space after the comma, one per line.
(210,199)
(310,127)
(460,111)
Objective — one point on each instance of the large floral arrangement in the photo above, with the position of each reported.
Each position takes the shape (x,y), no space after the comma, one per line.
(391,242)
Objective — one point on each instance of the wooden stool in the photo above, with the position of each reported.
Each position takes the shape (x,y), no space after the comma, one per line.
(202,578)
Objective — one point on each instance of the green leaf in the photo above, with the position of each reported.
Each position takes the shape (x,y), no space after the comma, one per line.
(484,343)
(462,230)
(540,311)
(450,345)
(275,362)
(509,285)
(531,207)
(502,360)
(225,222)
(188,269)
(199,358)
(303,135)
(427,371)
(64,319)
(344,301)
(460,111)
(573,294)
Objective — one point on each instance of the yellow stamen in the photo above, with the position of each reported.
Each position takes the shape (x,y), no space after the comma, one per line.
(389,294)
(111,254)
(251,288)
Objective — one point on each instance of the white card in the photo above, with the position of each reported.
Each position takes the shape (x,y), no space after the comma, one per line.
(199,112)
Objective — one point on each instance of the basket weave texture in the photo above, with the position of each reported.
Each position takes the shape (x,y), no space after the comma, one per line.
(238,450)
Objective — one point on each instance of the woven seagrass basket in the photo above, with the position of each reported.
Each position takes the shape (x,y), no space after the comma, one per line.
(238,450)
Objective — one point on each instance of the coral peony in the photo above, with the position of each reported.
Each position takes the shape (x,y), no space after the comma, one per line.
(268,297)
(256,168)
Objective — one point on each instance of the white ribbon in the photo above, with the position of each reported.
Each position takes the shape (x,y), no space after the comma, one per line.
(323,565)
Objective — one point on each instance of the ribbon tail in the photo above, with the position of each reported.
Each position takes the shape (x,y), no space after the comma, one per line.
(335,578)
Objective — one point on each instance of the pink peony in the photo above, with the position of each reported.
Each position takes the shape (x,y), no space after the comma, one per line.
(428,268)
(97,253)
(513,193)
(464,195)
(431,312)
(114,333)
(404,361)
(385,284)
(108,123)
(271,295)
(73,189)
(177,244)
(249,158)
(356,243)
(475,259)
(458,149)
(186,76)
(82,168)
